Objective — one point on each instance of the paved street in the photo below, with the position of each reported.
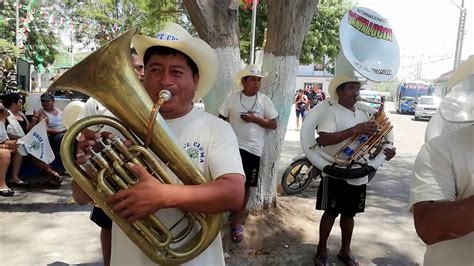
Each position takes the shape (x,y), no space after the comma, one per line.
(41,227)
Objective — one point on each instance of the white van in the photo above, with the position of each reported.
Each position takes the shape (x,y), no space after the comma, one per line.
(426,106)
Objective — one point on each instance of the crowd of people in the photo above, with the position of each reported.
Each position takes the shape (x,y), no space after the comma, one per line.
(14,125)
(306,99)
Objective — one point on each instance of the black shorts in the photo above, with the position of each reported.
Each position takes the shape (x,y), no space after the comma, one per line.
(251,164)
(338,197)
(99,217)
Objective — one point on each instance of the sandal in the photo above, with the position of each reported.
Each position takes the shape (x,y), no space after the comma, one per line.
(6,192)
(348,260)
(237,234)
(320,260)
(54,179)
(19,183)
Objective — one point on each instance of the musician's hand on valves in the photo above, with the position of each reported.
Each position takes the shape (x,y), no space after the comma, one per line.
(389,153)
(366,128)
(140,200)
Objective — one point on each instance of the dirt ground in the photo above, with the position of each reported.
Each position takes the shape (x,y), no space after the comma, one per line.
(289,234)
(284,236)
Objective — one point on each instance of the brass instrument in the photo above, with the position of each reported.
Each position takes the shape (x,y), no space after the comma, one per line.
(107,75)
(365,144)
(355,62)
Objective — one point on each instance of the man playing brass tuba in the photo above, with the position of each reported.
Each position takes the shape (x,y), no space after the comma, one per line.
(186,67)
(338,196)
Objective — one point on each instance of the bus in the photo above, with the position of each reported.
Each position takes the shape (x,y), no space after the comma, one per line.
(407,94)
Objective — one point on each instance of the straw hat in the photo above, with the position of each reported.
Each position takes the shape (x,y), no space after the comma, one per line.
(174,36)
(249,70)
(458,105)
(341,79)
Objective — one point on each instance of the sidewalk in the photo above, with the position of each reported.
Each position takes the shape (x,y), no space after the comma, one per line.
(41,226)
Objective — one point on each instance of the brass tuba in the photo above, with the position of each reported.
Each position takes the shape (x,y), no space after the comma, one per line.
(368,48)
(107,76)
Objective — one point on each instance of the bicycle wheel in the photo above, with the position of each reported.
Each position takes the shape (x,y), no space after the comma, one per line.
(297,176)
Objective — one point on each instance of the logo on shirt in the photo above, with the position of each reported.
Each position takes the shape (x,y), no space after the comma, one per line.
(195,152)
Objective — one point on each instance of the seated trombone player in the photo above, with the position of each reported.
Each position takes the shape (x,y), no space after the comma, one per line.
(186,67)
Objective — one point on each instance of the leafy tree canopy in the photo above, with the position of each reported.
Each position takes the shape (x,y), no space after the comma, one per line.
(323,36)
(321,40)
(245,28)
(38,44)
(98,21)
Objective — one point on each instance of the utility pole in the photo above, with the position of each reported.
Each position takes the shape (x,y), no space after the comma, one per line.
(254,21)
(459,40)
(17,27)
(72,43)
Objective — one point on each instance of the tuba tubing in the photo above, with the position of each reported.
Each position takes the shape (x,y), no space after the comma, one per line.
(315,154)
(107,75)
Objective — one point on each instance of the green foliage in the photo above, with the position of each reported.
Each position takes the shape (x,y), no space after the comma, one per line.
(7,21)
(323,37)
(8,49)
(8,55)
(156,13)
(321,40)
(99,21)
(245,27)
(38,42)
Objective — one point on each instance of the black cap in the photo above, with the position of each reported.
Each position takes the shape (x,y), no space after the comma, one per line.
(47,96)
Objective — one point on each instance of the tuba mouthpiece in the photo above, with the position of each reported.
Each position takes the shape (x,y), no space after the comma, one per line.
(165,95)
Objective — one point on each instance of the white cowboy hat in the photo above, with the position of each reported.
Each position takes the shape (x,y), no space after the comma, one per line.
(249,70)
(174,36)
(341,79)
(458,105)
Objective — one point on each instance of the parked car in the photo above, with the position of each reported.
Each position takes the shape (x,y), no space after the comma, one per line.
(426,107)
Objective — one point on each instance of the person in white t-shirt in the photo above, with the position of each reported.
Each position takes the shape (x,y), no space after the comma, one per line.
(54,120)
(250,113)
(342,196)
(442,185)
(187,67)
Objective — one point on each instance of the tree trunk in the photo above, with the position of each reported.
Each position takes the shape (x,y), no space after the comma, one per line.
(288,23)
(216,21)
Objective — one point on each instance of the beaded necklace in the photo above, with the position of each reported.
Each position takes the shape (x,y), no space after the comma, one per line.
(253,105)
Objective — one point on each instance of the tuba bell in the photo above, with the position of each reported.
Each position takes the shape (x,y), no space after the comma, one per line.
(107,75)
